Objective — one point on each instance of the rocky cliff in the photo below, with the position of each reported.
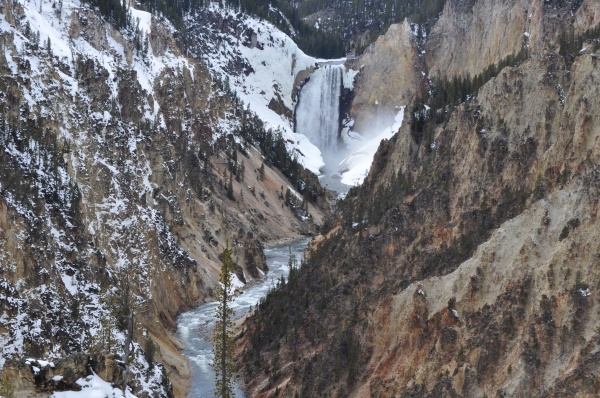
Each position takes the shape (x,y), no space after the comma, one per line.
(465,265)
(389,77)
(125,166)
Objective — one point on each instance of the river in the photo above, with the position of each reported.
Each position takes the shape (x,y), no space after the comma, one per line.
(194,327)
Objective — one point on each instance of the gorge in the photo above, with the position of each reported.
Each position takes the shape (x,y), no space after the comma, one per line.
(194,328)
(135,140)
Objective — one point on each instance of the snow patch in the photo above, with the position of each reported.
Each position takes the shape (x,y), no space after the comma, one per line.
(349,76)
(93,387)
(236,282)
(70,285)
(296,194)
(143,20)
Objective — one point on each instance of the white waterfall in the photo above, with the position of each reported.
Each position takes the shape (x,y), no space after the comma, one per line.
(318,112)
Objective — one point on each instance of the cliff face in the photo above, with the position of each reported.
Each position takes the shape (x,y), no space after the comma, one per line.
(465,266)
(124,166)
(468,37)
(388,78)
(522,292)
(489,31)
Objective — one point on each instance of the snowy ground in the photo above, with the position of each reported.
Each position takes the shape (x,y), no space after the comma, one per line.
(48,91)
(93,387)
(54,27)
(275,63)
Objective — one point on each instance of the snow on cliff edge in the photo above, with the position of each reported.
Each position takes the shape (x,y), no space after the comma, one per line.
(271,62)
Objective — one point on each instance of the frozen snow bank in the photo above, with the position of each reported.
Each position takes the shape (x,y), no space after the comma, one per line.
(92,387)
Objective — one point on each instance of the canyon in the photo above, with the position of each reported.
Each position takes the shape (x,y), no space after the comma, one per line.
(462,261)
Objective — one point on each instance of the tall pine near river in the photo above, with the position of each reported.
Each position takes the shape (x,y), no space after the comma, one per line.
(223,332)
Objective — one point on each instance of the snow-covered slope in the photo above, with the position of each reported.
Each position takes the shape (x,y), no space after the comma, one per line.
(81,172)
(263,67)
(60,32)
(92,387)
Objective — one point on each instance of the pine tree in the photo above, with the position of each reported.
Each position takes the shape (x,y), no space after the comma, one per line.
(124,303)
(230,188)
(223,334)
(241,172)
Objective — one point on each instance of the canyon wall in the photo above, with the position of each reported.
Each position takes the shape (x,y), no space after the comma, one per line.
(464,265)
(125,167)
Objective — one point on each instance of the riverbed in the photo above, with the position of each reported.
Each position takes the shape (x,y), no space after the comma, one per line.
(195,326)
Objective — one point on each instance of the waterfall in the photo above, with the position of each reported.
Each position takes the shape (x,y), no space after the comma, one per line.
(318,111)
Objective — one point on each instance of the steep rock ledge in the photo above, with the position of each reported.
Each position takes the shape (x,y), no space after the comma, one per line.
(389,77)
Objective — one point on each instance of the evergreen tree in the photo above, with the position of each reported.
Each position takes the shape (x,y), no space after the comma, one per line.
(223,334)
(125,307)
(230,188)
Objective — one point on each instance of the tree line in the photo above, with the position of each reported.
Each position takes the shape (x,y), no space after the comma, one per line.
(353,17)
(572,44)
(274,148)
(282,14)
(438,97)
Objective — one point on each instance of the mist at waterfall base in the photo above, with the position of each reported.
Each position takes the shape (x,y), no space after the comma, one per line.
(194,328)
(355,166)
(347,156)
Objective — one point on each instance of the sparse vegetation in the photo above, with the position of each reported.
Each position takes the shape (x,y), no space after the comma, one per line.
(7,389)
(572,224)
(452,303)
(439,97)
(572,45)
(348,19)
(273,146)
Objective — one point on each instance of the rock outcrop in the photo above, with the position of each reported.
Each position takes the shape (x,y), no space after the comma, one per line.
(388,78)
(488,30)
